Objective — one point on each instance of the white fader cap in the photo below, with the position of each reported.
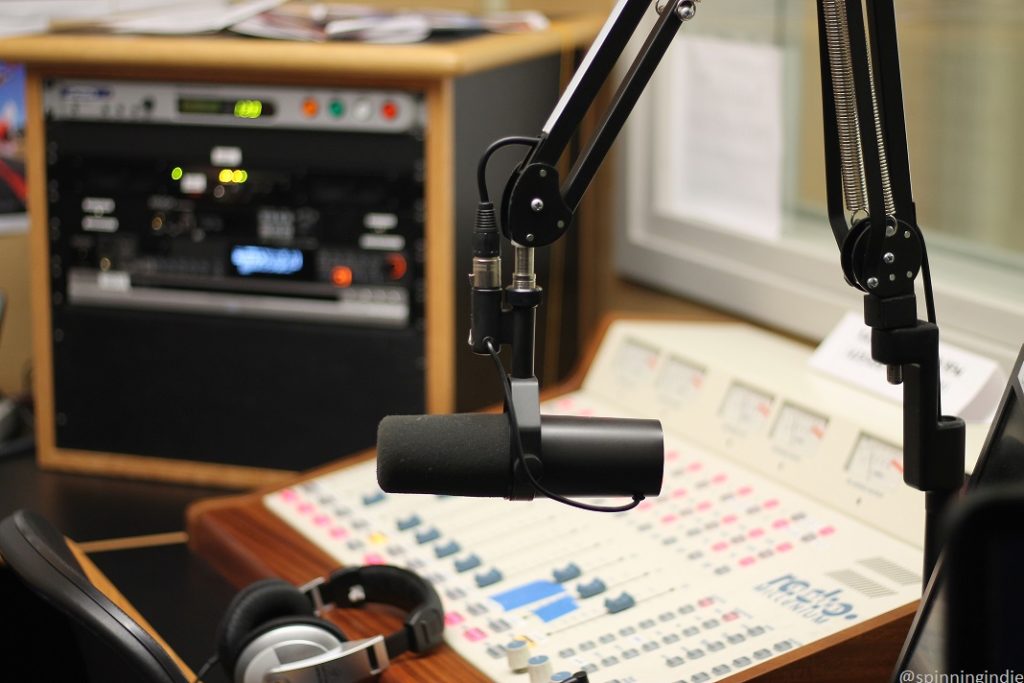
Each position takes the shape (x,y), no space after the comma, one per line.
(518,655)
(540,669)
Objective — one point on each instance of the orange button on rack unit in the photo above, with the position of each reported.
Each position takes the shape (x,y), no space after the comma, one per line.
(341,276)
(397,266)
(310,107)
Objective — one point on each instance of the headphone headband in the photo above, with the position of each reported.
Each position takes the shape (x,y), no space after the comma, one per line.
(423,628)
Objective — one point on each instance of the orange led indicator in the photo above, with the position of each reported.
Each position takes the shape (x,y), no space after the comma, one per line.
(389,110)
(310,107)
(341,276)
(397,266)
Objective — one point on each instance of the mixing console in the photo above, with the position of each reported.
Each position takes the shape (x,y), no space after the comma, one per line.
(732,565)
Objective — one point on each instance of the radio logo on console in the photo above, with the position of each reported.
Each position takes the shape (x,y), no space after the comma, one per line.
(803,598)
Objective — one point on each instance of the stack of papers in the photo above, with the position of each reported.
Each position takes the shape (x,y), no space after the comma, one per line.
(327,21)
(277,19)
(169,17)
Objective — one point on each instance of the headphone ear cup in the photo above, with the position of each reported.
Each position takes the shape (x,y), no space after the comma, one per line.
(256,605)
(243,658)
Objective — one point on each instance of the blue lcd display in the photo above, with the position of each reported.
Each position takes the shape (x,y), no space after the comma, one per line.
(253,260)
(527,593)
(556,609)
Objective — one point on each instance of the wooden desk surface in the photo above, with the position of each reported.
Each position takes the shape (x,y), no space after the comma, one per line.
(100,581)
(246,56)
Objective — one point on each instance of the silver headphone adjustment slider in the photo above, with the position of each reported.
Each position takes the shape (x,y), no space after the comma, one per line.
(312,589)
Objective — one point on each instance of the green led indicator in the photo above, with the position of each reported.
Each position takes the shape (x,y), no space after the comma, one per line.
(337,108)
(176,173)
(248,109)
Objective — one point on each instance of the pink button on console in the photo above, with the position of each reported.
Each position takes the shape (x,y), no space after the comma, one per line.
(474,634)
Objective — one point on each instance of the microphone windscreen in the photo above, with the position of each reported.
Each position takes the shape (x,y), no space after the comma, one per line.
(458,455)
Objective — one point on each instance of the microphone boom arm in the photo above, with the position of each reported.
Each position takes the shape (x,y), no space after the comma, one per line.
(537,207)
(538,178)
(867,171)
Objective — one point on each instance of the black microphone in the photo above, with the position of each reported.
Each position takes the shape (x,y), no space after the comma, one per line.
(471,454)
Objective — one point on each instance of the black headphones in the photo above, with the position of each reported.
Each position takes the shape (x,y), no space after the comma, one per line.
(271,627)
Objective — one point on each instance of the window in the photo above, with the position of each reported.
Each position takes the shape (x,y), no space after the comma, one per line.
(723,188)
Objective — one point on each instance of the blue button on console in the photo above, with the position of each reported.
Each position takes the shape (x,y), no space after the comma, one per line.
(371,498)
(619,604)
(589,590)
(488,578)
(567,573)
(427,536)
(409,522)
(467,563)
(447,549)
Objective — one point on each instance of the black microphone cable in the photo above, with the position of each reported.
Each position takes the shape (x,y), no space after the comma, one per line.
(486,238)
(481,168)
(926,281)
(205,668)
(518,447)
(487,209)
